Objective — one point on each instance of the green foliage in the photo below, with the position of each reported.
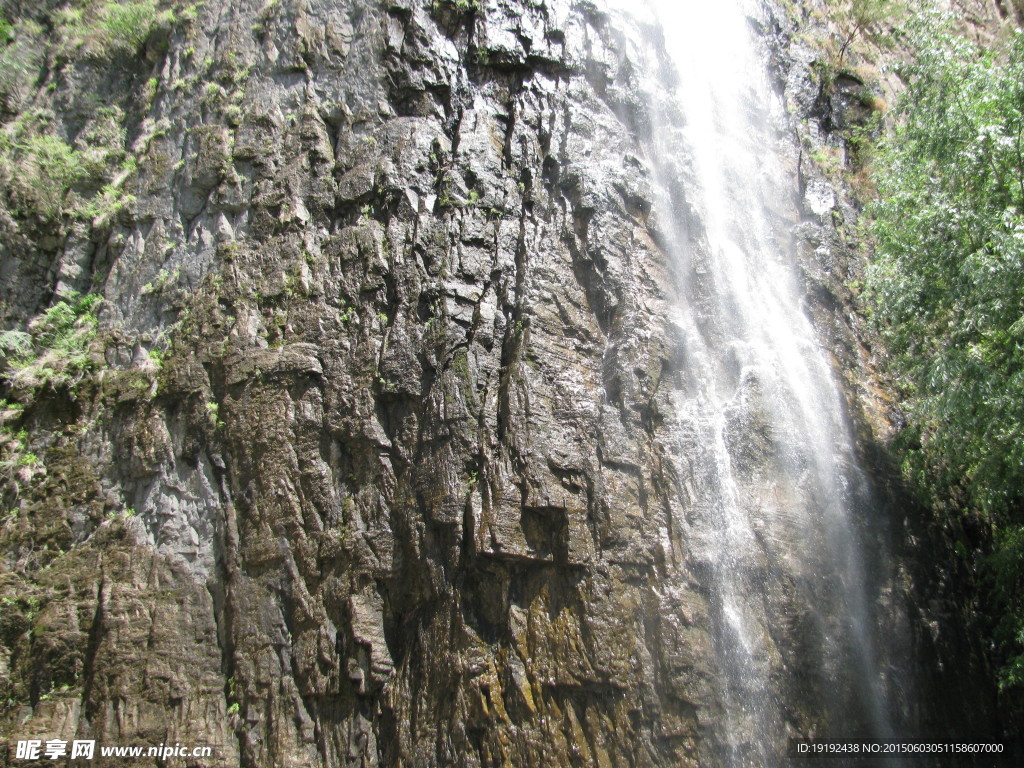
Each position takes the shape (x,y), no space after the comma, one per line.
(20,60)
(213,412)
(15,344)
(102,28)
(947,291)
(1006,581)
(462,6)
(828,160)
(127,25)
(857,19)
(47,177)
(152,86)
(188,14)
(105,203)
(56,350)
(45,170)
(163,277)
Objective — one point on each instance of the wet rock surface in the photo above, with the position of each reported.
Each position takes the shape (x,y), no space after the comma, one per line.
(372,468)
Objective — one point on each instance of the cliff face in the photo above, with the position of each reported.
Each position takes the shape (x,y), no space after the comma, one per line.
(363,457)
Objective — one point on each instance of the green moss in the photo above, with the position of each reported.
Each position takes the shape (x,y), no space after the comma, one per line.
(462,6)
(460,365)
(151,88)
(213,412)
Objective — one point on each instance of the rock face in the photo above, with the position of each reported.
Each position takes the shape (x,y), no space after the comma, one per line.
(367,462)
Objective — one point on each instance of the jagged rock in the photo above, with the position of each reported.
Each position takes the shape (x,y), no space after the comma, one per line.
(404,487)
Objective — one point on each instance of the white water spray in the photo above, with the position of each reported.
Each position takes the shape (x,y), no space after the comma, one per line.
(760,419)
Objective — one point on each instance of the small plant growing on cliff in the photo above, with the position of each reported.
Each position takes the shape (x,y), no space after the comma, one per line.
(42,169)
(213,412)
(156,284)
(150,91)
(214,91)
(463,6)
(17,463)
(47,178)
(55,350)
(864,18)
(15,344)
(827,159)
(127,24)
(104,28)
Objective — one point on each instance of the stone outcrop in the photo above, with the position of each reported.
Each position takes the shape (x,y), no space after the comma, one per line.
(369,465)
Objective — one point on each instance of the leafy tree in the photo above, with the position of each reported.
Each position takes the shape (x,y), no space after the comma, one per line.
(947,291)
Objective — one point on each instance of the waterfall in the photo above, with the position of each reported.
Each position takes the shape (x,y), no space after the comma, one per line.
(775,512)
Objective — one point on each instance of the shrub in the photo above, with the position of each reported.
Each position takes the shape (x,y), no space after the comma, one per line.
(56,349)
(47,177)
(45,168)
(127,25)
(20,60)
(103,28)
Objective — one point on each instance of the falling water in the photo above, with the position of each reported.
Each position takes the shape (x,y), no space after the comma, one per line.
(761,425)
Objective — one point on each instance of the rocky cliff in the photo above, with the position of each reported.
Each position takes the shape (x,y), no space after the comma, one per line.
(337,428)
